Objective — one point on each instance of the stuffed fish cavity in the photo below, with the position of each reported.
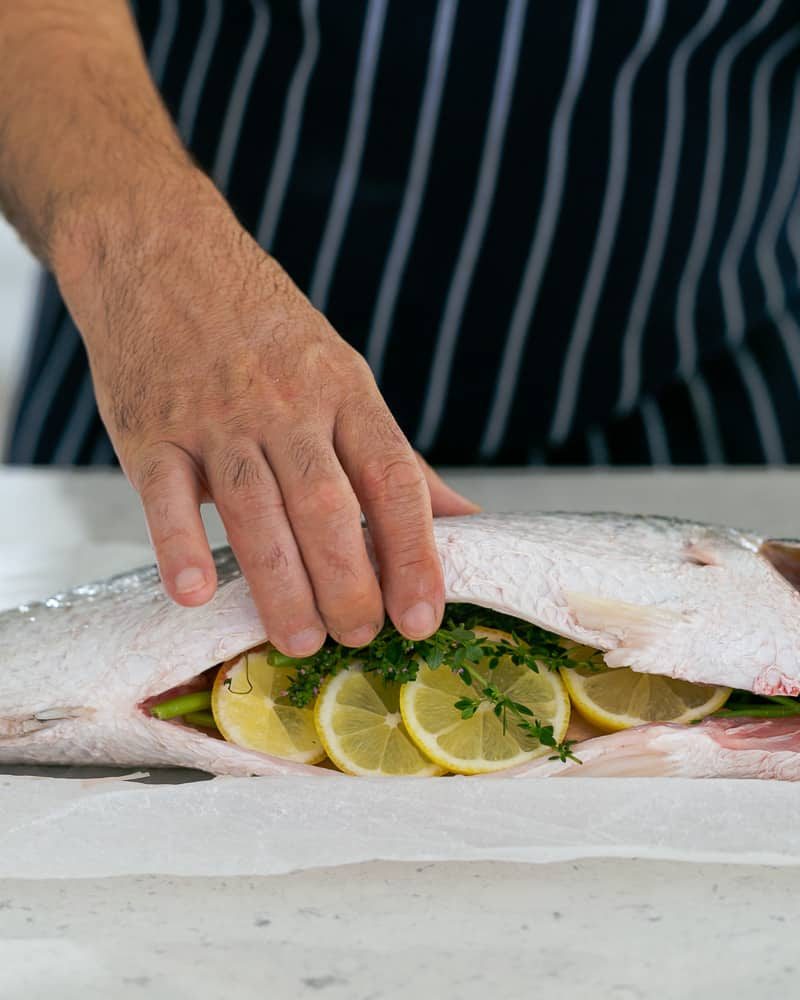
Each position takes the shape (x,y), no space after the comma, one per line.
(704,604)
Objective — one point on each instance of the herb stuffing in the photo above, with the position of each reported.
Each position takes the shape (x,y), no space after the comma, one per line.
(472,642)
(457,647)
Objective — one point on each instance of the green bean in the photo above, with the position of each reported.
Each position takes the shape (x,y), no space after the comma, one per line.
(204,719)
(197,701)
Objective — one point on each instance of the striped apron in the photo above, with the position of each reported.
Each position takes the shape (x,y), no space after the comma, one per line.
(560,233)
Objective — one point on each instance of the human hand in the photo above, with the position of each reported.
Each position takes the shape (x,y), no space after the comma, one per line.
(216,377)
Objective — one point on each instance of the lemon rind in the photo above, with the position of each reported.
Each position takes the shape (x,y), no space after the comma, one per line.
(313,756)
(611,722)
(323,709)
(477,766)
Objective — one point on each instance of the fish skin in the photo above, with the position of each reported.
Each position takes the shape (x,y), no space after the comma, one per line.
(715,748)
(692,601)
(661,595)
(102,649)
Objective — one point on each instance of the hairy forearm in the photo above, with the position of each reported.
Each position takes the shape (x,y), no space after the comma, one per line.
(213,373)
(81,123)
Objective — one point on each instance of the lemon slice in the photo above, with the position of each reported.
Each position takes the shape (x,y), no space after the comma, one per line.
(620,698)
(251,710)
(358,720)
(479,745)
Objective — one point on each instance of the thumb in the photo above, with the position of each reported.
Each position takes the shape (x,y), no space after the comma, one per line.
(444,499)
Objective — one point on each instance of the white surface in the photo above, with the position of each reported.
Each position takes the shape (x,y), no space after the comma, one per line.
(586,931)
(18,271)
(621,929)
(56,827)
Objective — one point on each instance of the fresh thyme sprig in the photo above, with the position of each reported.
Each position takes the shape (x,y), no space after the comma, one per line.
(523,718)
(396,659)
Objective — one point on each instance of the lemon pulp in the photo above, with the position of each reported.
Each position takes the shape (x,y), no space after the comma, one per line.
(482,743)
(619,698)
(358,719)
(251,709)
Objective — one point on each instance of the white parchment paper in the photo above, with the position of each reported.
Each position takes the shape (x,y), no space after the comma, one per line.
(52,827)
(63,823)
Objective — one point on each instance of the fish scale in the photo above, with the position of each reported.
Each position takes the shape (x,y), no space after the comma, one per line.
(664,596)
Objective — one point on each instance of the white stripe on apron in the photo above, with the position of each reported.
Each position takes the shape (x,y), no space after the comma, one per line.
(662,211)
(752,186)
(198,71)
(237,105)
(574,358)
(709,203)
(405,228)
(712,177)
(491,156)
(163,38)
(528,294)
(291,127)
(783,194)
(705,417)
(351,158)
(598,447)
(763,410)
(655,432)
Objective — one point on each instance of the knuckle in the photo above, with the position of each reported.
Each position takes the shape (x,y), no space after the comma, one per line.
(151,477)
(166,533)
(272,559)
(366,411)
(251,517)
(419,564)
(360,369)
(340,569)
(325,501)
(361,403)
(306,453)
(395,480)
(415,569)
(240,473)
(360,607)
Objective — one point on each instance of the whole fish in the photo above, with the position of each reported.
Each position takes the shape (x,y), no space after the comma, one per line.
(702,603)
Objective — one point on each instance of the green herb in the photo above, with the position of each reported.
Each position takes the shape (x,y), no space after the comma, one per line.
(456,646)
(183,704)
(523,718)
(204,719)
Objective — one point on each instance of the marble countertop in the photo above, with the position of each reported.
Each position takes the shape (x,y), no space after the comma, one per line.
(617,929)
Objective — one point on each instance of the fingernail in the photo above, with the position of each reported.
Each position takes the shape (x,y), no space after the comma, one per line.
(305,643)
(189,580)
(359,636)
(419,621)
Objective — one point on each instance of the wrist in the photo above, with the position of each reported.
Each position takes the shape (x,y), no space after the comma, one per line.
(135,216)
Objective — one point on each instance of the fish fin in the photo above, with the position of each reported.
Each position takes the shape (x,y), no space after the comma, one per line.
(624,656)
(784,557)
(633,753)
(700,553)
(633,622)
(22,725)
(634,630)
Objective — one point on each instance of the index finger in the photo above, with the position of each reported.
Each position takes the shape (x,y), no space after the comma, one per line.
(395,499)
(170,492)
